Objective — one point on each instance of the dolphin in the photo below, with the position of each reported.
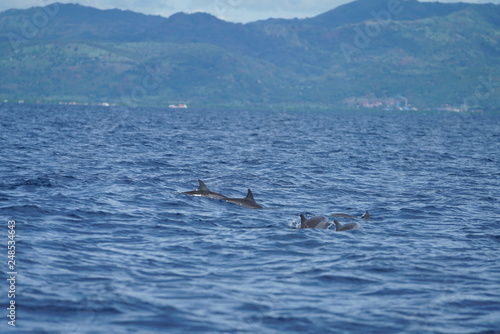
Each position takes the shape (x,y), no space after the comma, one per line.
(314,222)
(365,216)
(247,202)
(350,226)
(204,192)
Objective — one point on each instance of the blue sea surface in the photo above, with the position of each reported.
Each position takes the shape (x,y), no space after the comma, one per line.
(107,242)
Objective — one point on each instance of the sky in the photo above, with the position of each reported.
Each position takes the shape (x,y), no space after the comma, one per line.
(229,10)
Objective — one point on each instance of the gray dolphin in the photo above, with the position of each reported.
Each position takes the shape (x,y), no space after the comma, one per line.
(204,192)
(365,216)
(314,222)
(247,202)
(349,226)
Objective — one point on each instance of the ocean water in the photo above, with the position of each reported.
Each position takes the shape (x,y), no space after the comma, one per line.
(107,243)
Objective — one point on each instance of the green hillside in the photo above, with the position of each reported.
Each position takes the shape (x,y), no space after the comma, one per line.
(430,53)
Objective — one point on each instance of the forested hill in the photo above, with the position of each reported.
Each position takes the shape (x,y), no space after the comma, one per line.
(368,50)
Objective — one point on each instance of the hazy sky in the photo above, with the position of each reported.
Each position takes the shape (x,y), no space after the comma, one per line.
(230,10)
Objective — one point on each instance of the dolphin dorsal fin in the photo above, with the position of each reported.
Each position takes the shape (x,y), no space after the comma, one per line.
(202,186)
(338,225)
(366,215)
(303,220)
(250,196)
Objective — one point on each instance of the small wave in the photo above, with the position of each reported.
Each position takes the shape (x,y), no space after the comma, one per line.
(44,181)
(41,181)
(32,182)
(25,210)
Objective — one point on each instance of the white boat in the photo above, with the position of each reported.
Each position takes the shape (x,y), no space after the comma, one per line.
(178,106)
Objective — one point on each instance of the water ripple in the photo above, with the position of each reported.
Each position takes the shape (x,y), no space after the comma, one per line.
(108,243)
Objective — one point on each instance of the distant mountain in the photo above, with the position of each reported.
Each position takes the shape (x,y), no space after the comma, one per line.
(403,10)
(75,22)
(367,50)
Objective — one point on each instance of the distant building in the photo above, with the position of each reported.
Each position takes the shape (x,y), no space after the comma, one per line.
(178,106)
(384,103)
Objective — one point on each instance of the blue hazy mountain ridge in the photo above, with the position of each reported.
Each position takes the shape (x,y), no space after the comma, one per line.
(431,53)
(77,22)
(360,11)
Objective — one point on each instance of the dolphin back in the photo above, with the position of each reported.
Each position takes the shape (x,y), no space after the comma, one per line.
(314,222)
(203,191)
(346,227)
